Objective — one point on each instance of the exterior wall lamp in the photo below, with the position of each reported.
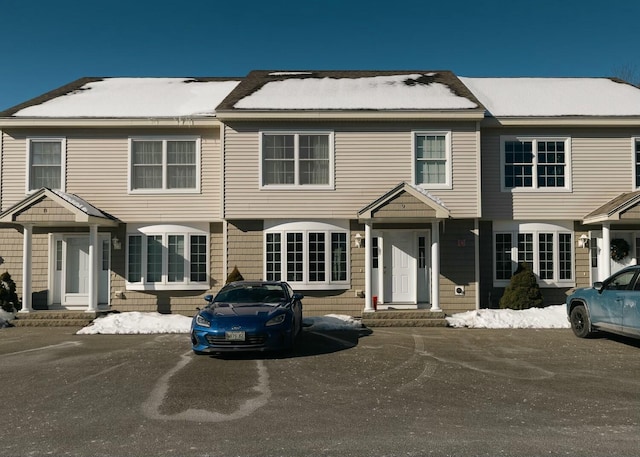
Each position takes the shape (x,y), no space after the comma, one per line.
(583,241)
(358,240)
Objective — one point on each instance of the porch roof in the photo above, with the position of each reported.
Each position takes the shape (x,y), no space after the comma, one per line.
(405,202)
(48,207)
(621,209)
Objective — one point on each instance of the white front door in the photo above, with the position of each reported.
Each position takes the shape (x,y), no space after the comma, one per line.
(403,272)
(71,270)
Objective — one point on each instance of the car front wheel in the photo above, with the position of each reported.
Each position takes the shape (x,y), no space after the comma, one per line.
(580,323)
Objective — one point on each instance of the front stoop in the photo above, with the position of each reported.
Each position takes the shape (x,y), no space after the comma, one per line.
(55,318)
(404,318)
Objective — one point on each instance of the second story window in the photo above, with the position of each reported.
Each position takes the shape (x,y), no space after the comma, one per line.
(432,159)
(46,163)
(164,164)
(297,159)
(535,163)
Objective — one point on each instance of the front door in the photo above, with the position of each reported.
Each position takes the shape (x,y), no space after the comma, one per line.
(403,267)
(71,271)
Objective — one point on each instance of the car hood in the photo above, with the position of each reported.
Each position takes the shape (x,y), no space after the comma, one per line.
(230,310)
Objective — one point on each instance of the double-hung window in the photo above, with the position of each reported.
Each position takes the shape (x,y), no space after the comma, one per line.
(164,164)
(46,163)
(547,248)
(536,163)
(432,166)
(308,255)
(302,159)
(167,258)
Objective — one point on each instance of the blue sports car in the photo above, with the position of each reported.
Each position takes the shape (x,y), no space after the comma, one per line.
(248,316)
(612,305)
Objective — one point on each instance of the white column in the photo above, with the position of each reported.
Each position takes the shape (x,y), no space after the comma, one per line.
(93,269)
(606,252)
(368,287)
(381,268)
(435,266)
(26,269)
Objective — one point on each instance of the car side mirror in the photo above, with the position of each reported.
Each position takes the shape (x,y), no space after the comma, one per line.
(297,296)
(208,298)
(598,286)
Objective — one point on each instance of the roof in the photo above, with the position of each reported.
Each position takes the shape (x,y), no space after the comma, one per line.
(350,90)
(615,209)
(129,98)
(552,97)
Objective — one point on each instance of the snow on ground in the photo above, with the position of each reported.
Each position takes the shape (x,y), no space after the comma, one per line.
(146,323)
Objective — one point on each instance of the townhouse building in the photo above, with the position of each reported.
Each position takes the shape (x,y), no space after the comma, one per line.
(364,190)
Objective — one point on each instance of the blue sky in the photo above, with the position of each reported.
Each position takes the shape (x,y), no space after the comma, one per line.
(51,43)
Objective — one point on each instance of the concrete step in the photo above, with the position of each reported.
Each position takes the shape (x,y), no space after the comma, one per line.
(404,318)
(55,319)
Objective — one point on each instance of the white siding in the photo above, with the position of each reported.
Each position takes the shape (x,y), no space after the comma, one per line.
(370,159)
(601,169)
(97,171)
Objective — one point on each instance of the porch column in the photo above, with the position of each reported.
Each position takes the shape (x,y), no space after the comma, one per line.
(26,268)
(435,266)
(93,270)
(368,287)
(606,251)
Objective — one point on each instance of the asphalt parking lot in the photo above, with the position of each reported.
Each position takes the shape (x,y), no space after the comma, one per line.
(386,392)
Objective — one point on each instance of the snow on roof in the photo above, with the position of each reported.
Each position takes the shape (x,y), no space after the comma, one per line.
(555,96)
(402,91)
(79,203)
(136,97)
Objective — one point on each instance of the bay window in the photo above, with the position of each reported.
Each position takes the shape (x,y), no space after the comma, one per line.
(547,248)
(307,255)
(167,258)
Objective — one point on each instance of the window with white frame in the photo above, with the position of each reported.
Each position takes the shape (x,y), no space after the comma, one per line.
(302,159)
(167,258)
(536,163)
(432,152)
(308,255)
(547,248)
(164,164)
(636,161)
(46,163)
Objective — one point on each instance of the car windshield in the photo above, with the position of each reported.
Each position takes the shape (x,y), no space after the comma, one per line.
(247,295)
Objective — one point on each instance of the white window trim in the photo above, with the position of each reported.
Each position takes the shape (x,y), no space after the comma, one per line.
(297,185)
(515,228)
(165,231)
(307,227)
(164,189)
(448,184)
(635,141)
(63,161)
(534,188)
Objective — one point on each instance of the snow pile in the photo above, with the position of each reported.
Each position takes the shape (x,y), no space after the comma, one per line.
(332,322)
(138,323)
(549,317)
(6,318)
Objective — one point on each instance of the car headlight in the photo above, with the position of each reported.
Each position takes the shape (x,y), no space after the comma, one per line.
(201,321)
(279,319)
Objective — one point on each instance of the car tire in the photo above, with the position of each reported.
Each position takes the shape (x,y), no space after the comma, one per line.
(580,322)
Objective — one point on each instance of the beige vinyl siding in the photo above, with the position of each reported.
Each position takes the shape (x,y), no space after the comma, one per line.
(370,159)
(97,170)
(601,169)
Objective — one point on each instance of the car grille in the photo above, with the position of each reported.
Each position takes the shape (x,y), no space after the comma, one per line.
(250,340)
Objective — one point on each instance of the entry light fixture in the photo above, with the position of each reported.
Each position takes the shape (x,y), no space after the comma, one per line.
(117,245)
(583,241)
(358,240)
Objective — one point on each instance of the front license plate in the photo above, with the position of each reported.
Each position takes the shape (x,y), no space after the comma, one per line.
(235,336)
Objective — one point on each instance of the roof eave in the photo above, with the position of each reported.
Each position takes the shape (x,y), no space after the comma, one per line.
(468,114)
(34,122)
(586,121)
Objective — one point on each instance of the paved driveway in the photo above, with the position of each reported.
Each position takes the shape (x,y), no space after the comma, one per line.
(404,392)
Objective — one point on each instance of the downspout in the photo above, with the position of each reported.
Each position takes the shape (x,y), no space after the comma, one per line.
(223,209)
(476,223)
